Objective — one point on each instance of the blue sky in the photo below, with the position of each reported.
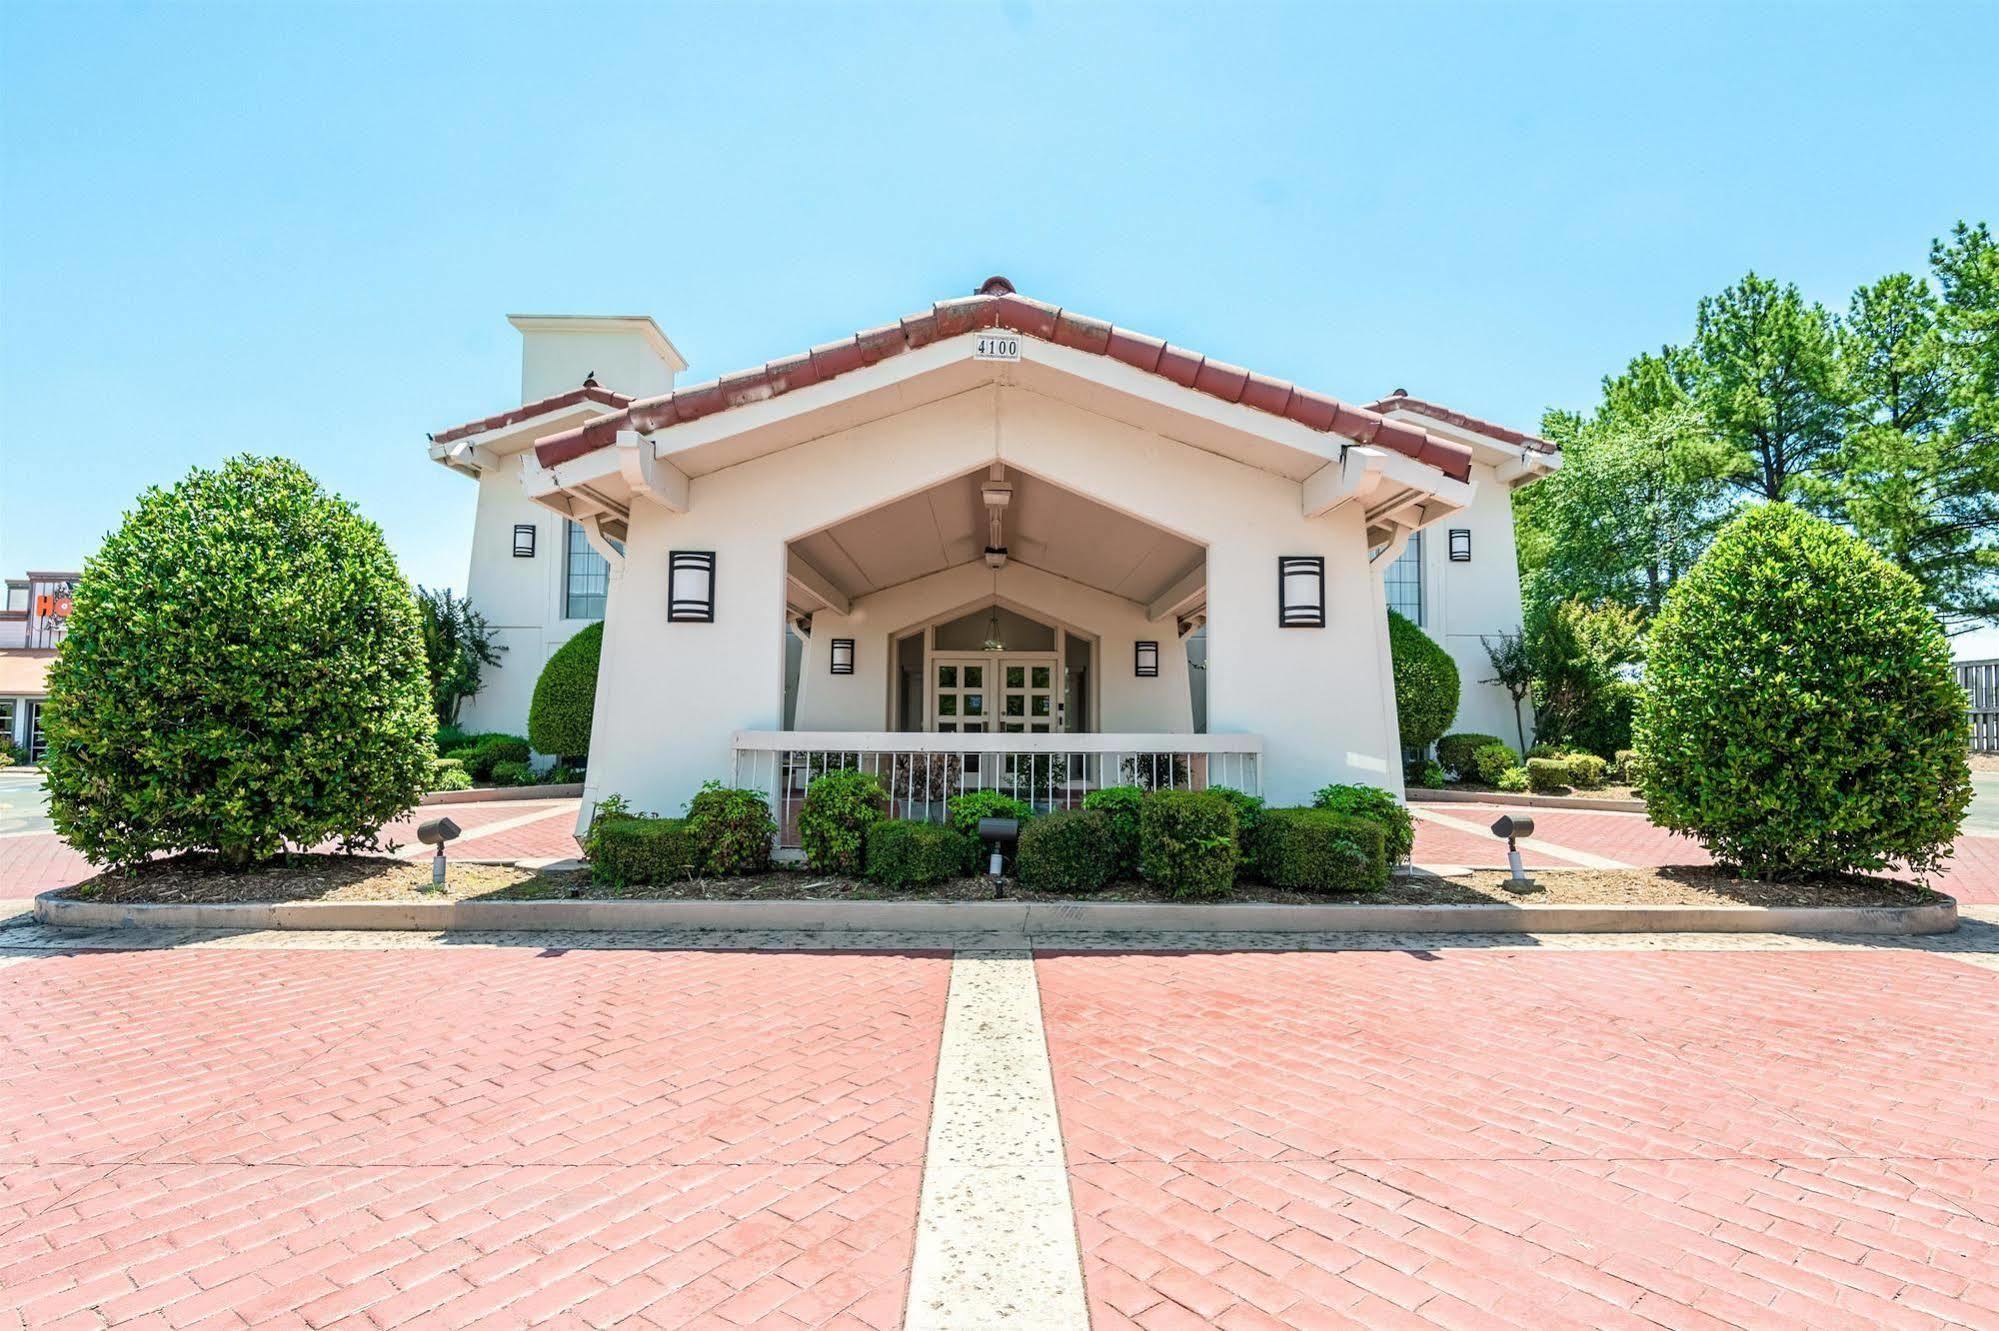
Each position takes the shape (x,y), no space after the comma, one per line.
(297,228)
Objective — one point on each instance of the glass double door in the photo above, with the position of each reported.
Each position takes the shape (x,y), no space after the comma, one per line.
(981,693)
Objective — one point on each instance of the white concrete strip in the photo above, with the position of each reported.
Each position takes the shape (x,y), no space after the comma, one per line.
(1581,858)
(995,1232)
(421,851)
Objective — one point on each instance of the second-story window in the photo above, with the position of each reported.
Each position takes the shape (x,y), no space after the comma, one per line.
(586,578)
(1404,581)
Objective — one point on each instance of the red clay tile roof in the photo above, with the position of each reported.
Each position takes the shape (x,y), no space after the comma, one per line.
(1400,399)
(997,305)
(589,392)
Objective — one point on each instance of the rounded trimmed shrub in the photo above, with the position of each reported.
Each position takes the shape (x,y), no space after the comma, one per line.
(1799,715)
(1317,850)
(1398,825)
(1492,762)
(1426,683)
(833,821)
(902,853)
(511,773)
(244,670)
(565,696)
(627,850)
(1548,776)
(1586,771)
(1071,850)
(1120,804)
(1458,754)
(449,774)
(966,810)
(734,829)
(1187,842)
(487,752)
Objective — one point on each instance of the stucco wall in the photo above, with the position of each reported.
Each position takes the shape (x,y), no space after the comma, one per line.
(1475,600)
(669,695)
(520,598)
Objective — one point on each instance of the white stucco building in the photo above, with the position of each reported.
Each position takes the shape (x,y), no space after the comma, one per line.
(972,546)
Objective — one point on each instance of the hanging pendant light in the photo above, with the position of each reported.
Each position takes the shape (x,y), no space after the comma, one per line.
(994,643)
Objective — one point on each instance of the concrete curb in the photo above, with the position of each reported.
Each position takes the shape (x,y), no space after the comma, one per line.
(483,794)
(1600,804)
(1036,918)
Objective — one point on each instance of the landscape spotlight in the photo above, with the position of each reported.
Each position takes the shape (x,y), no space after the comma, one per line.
(435,833)
(1001,832)
(1512,829)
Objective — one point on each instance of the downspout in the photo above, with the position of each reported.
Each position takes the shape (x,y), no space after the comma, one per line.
(1378,566)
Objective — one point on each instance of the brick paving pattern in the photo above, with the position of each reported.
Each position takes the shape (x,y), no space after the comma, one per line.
(1972,875)
(439,1138)
(1471,1140)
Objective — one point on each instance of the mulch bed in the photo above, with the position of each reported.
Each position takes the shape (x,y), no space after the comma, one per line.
(200,879)
(1600,793)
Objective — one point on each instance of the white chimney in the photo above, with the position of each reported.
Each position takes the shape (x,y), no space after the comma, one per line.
(624,353)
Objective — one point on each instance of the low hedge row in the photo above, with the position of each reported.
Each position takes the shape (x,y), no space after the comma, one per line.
(1072,850)
(903,853)
(626,849)
(1187,843)
(1319,850)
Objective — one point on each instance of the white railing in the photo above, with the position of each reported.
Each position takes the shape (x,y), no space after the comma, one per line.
(1981,684)
(921,772)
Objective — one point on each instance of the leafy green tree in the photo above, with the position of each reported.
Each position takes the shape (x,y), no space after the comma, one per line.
(457,645)
(244,672)
(1640,493)
(1917,476)
(1512,670)
(1765,372)
(1799,715)
(1580,653)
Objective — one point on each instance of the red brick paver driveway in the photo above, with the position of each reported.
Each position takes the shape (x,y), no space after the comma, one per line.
(442,1138)
(1536,1140)
(1972,874)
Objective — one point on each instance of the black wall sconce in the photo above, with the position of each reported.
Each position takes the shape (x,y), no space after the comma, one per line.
(1301,591)
(1460,546)
(1147,660)
(690,587)
(843,656)
(523,540)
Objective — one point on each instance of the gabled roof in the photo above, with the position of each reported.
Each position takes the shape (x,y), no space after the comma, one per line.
(590,391)
(1401,401)
(997,305)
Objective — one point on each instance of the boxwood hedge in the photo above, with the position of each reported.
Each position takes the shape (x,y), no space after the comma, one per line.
(902,853)
(1187,842)
(1072,850)
(1318,850)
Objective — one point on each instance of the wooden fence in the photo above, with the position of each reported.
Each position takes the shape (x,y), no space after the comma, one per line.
(1981,681)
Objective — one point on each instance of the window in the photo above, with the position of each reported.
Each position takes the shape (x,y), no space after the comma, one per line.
(586,578)
(1404,581)
(6,718)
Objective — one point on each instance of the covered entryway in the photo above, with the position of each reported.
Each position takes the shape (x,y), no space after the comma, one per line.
(996,602)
